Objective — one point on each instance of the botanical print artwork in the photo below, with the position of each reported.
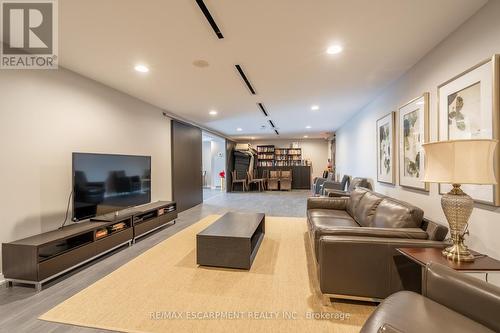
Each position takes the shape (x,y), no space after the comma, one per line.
(385,150)
(411,144)
(413,133)
(467,109)
(464,116)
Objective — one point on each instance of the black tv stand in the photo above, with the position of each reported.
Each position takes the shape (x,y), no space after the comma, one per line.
(40,258)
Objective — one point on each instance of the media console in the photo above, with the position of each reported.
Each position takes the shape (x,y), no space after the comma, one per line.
(40,258)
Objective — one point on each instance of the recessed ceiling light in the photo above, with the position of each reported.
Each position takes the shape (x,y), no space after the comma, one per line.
(315,107)
(212,112)
(308,126)
(334,49)
(239,129)
(141,68)
(305,136)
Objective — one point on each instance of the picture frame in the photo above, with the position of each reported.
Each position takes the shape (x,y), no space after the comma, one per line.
(413,121)
(469,108)
(385,149)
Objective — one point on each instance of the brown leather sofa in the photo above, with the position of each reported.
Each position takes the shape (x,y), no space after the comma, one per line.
(450,302)
(354,240)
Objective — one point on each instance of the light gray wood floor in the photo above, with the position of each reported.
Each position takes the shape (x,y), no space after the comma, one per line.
(20,306)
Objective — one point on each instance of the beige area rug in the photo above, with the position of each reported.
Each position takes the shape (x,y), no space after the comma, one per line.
(163,290)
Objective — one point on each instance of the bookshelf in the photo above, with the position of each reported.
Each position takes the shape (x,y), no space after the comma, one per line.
(265,156)
(288,157)
(269,155)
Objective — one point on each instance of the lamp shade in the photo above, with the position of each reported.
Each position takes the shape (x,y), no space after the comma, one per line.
(460,162)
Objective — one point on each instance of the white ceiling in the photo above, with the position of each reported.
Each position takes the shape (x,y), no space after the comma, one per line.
(279,43)
(206,136)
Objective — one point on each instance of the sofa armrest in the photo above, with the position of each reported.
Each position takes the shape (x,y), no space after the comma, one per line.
(410,233)
(326,203)
(332,185)
(388,328)
(435,230)
(335,193)
(474,298)
(368,266)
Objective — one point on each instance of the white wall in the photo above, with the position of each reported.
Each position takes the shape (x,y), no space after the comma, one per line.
(218,146)
(476,40)
(46,115)
(207,161)
(315,150)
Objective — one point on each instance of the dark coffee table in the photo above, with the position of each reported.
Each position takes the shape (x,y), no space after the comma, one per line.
(232,241)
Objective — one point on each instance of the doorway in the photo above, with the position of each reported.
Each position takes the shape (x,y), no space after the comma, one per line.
(213,165)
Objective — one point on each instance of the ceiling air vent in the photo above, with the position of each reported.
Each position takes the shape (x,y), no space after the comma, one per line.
(263,109)
(245,79)
(209,18)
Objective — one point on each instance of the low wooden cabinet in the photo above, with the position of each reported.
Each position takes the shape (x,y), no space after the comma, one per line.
(146,218)
(40,258)
(301,175)
(152,218)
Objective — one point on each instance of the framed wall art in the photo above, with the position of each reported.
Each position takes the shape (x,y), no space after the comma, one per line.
(385,149)
(469,108)
(413,119)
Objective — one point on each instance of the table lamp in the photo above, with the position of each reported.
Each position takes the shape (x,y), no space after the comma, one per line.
(459,162)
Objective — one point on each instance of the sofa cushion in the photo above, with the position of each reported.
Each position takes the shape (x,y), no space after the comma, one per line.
(365,209)
(409,312)
(312,213)
(354,198)
(323,225)
(392,213)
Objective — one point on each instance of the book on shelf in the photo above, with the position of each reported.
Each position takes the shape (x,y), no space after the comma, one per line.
(265,156)
(101,233)
(269,163)
(265,149)
(288,151)
(289,163)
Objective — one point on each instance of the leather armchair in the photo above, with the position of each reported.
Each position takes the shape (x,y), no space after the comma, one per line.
(318,181)
(339,186)
(354,241)
(450,302)
(354,183)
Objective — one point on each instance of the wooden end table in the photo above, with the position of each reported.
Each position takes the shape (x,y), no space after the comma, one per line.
(425,255)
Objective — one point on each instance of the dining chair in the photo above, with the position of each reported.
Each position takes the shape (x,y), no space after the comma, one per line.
(273,181)
(286,180)
(236,180)
(255,181)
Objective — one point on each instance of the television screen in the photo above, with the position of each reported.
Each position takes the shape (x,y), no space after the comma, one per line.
(105,183)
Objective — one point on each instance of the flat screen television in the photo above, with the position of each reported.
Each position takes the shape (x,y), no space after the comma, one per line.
(106,183)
